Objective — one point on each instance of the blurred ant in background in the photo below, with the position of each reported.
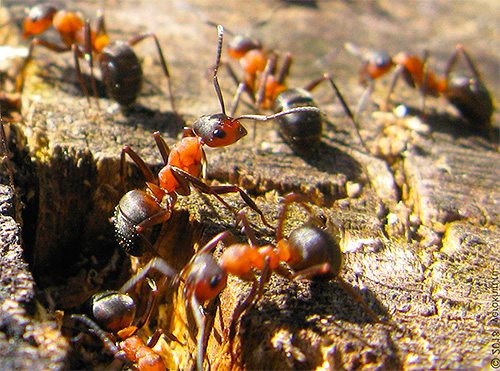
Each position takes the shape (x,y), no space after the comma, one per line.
(183,165)
(264,82)
(120,67)
(465,92)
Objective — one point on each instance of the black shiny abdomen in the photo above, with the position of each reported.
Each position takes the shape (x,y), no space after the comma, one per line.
(121,73)
(111,310)
(311,246)
(302,130)
(134,208)
(471,98)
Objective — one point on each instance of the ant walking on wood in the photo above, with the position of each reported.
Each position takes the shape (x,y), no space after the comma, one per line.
(183,165)
(120,67)
(465,92)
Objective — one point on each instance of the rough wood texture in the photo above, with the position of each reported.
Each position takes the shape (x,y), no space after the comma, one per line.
(419,213)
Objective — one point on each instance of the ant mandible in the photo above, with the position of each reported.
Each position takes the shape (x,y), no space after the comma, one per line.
(183,166)
(120,68)
(110,316)
(466,92)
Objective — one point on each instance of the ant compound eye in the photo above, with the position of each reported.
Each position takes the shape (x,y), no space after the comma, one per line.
(219,133)
(214,282)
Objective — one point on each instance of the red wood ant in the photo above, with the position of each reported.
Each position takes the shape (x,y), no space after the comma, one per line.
(183,166)
(110,316)
(309,251)
(267,89)
(120,68)
(466,92)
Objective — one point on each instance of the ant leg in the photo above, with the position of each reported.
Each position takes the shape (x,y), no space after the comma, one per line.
(100,24)
(268,70)
(163,61)
(469,61)
(146,171)
(284,70)
(311,272)
(149,306)
(293,197)
(247,230)
(347,110)
(425,84)
(88,51)
(22,69)
(226,237)
(157,264)
(162,147)
(364,97)
(242,86)
(153,340)
(183,177)
(238,311)
(76,56)
(196,309)
(119,354)
(348,288)
(397,74)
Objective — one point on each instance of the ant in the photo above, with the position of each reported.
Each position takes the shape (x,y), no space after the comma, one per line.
(310,251)
(465,92)
(183,165)
(265,83)
(120,67)
(110,316)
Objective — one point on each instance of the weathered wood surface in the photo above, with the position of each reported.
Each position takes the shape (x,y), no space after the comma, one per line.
(422,233)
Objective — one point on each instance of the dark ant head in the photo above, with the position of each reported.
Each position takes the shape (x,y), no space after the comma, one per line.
(38,20)
(218,130)
(312,246)
(240,45)
(111,310)
(204,278)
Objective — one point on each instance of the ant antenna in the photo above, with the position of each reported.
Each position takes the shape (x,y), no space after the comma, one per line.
(220,31)
(279,114)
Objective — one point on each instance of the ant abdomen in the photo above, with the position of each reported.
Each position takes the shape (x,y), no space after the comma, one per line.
(312,246)
(111,310)
(302,130)
(471,98)
(134,208)
(121,72)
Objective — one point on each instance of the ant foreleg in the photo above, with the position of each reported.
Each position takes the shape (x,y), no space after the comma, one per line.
(146,171)
(157,264)
(216,191)
(119,354)
(348,288)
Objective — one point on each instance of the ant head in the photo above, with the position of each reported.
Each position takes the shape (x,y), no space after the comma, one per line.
(218,130)
(240,45)
(111,310)
(38,20)
(204,278)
